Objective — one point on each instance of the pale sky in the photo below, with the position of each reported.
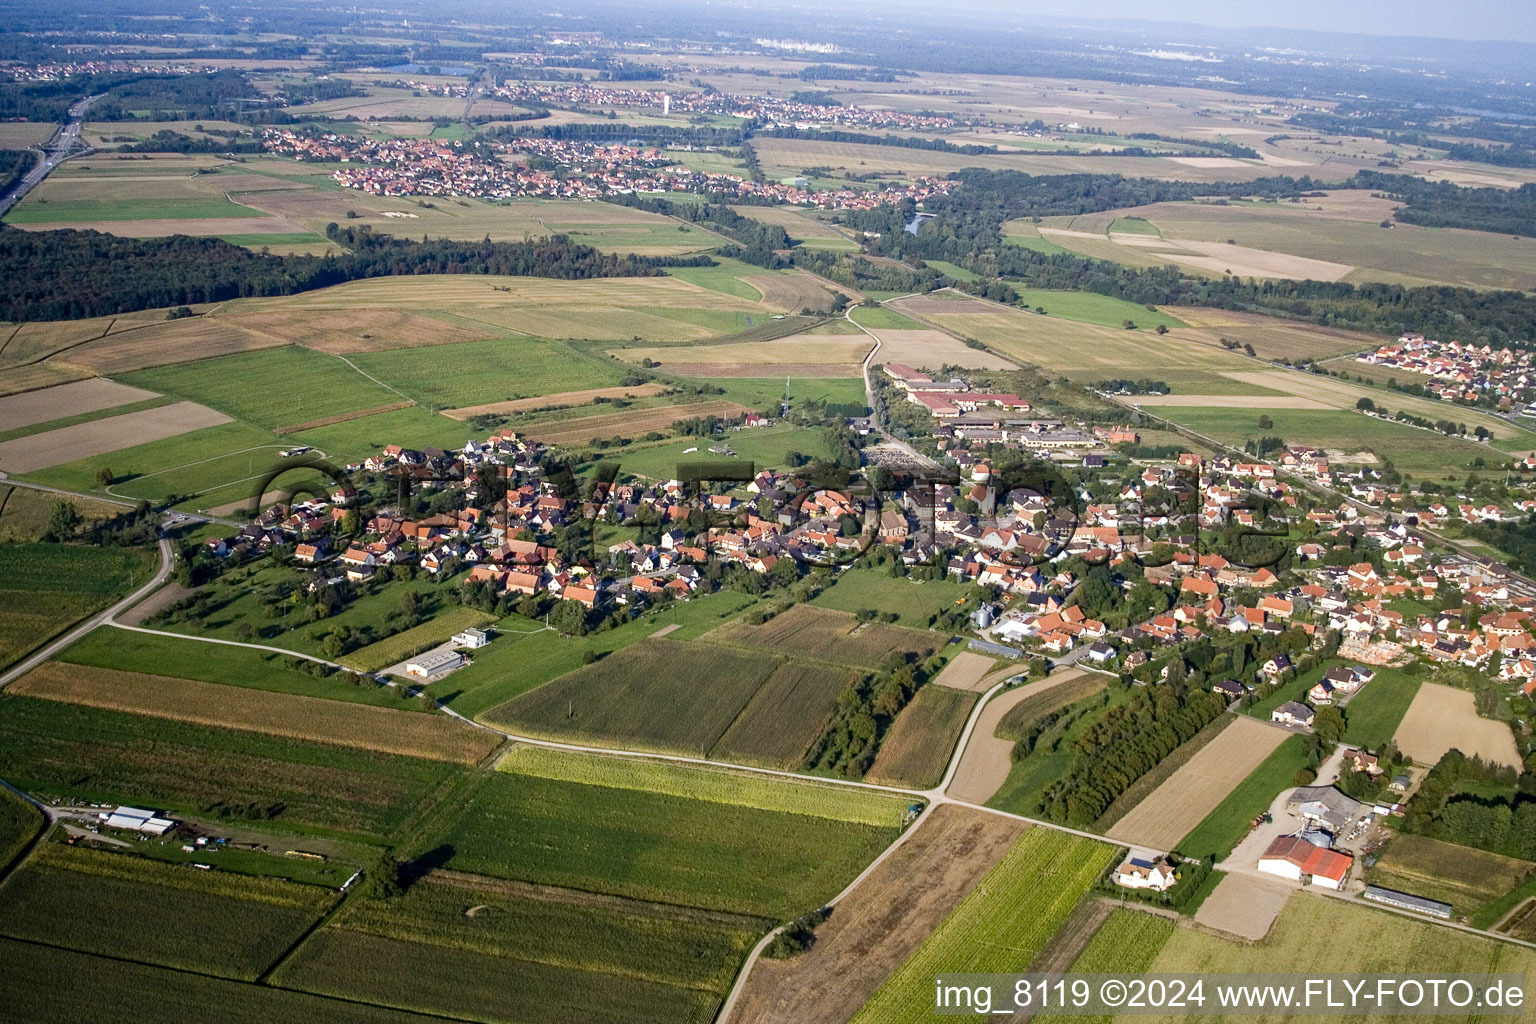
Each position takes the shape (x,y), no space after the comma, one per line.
(1500,20)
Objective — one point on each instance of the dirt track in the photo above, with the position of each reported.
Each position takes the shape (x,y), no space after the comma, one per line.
(966,671)
(985,763)
(877,927)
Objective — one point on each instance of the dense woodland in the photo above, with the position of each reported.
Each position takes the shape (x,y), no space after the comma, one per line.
(14,163)
(1468,801)
(68,275)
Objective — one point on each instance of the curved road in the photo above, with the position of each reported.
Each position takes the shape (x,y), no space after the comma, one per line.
(55,153)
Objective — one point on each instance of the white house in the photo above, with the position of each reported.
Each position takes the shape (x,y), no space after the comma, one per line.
(433,663)
(1294,858)
(1142,872)
(473,639)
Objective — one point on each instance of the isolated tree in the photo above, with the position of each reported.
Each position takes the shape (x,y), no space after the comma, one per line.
(1365,405)
(63,520)
(1265,423)
(104,477)
(381,881)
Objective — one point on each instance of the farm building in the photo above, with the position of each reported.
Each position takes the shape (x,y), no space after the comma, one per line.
(1407,901)
(434,663)
(138,820)
(472,638)
(1294,858)
(1325,805)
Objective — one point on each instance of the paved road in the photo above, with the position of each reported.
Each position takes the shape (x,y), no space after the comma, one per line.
(56,152)
(869,400)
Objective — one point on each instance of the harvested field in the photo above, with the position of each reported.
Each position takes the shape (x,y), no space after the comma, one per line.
(437,291)
(1242,261)
(83,440)
(789,292)
(66,400)
(344,417)
(351,331)
(433,737)
(879,925)
(966,671)
(932,349)
(759,371)
(987,759)
(18,379)
(175,341)
(843,353)
(917,749)
(164,227)
(1232,401)
(576,430)
(1342,395)
(1244,905)
(557,400)
(927,305)
(1442,718)
(805,631)
(1173,809)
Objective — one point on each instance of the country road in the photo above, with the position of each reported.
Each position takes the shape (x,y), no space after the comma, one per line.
(55,153)
(869,398)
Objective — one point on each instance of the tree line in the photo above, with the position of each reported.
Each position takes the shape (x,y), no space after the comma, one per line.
(69,275)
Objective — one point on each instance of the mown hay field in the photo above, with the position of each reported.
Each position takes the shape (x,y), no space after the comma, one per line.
(841,355)
(348,332)
(221,923)
(1000,927)
(933,349)
(918,747)
(1174,808)
(558,399)
(576,430)
(826,635)
(433,737)
(109,434)
(1466,878)
(159,344)
(1443,718)
(446,291)
(68,750)
(86,396)
(654,846)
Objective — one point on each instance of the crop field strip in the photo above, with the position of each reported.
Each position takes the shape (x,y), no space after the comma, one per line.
(1000,927)
(82,397)
(224,924)
(46,589)
(412,641)
(576,430)
(313,719)
(918,747)
(102,436)
(48,747)
(878,925)
(687,698)
(823,634)
(656,846)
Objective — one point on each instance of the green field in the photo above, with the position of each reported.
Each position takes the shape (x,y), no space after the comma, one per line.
(723,278)
(879,317)
(220,663)
(171,915)
(914,603)
(1360,939)
(715,785)
(1091,308)
(64,750)
(46,588)
(354,440)
(1126,943)
(1409,449)
(273,387)
(764,447)
(1373,714)
(954,270)
(766,392)
(280,238)
(701,700)
(19,823)
(1054,749)
(518,660)
(999,927)
(478,372)
(1133,226)
(1226,826)
(55,211)
(654,846)
(184,464)
(550,955)
(45,985)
